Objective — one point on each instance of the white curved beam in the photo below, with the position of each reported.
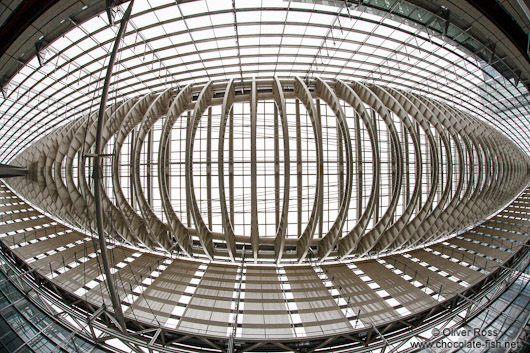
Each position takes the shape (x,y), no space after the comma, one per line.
(177,108)
(279,99)
(349,242)
(205,236)
(157,230)
(228,101)
(304,241)
(326,244)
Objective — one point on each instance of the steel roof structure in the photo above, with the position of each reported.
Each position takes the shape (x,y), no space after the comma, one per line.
(263,176)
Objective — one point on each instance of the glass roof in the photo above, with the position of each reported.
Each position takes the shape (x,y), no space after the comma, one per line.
(169,44)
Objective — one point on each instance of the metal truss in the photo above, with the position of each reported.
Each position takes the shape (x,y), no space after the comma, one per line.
(86,319)
(448,146)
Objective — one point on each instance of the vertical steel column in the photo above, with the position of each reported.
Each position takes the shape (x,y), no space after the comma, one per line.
(377,191)
(276,169)
(406,185)
(209,168)
(148,167)
(340,165)
(321,196)
(226,108)
(299,166)
(254,232)
(98,175)
(131,153)
(420,202)
(167,162)
(188,205)
(282,223)
(359,155)
(391,159)
(231,165)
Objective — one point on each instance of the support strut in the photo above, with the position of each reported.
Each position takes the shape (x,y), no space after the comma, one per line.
(98,173)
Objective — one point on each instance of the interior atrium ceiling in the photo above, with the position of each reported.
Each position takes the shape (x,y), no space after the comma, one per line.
(361,170)
(171,44)
(286,175)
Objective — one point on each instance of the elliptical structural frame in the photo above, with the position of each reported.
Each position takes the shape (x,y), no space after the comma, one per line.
(463,145)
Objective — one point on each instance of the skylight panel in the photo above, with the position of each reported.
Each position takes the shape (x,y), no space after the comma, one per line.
(226,43)
(248,41)
(228,53)
(94,67)
(206,45)
(145,19)
(132,62)
(248,59)
(342,54)
(390,45)
(61,42)
(210,55)
(367,66)
(107,34)
(226,31)
(94,24)
(248,68)
(228,62)
(248,17)
(249,30)
(191,58)
(220,19)
(199,22)
(140,6)
(167,12)
(48,81)
(336,62)
(140,69)
(273,16)
(316,31)
(426,46)
(193,7)
(40,87)
(323,19)
(303,59)
(98,53)
(298,67)
(161,43)
(290,41)
(212,63)
(87,44)
(73,52)
(174,27)
(17,79)
(219,5)
(272,52)
(203,34)
(288,50)
(152,32)
(308,51)
(194,66)
(75,34)
(365,26)
(272,29)
(295,29)
(269,59)
(248,3)
(216,71)
(384,31)
(253,51)
(376,41)
(180,39)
